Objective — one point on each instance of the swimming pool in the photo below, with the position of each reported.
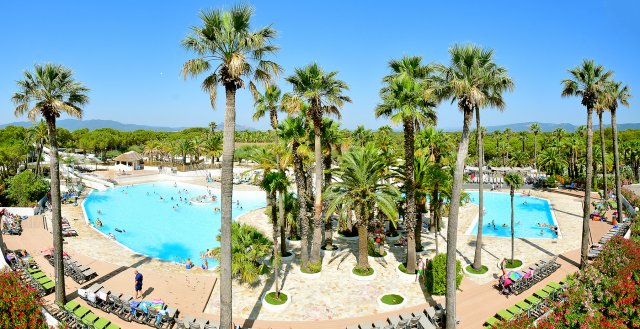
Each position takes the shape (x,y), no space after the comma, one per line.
(157,227)
(528,212)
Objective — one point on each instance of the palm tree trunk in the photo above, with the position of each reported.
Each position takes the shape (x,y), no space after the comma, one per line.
(56,216)
(363,246)
(276,226)
(604,156)
(452,228)
(410,213)
(513,243)
(281,194)
(616,165)
(228,146)
(587,192)
(38,160)
(477,258)
(328,225)
(303,218)
(317,202)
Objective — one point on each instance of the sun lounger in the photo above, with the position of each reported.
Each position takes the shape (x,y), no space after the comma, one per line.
(394,320)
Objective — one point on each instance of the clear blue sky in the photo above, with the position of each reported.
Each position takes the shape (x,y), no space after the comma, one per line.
(129,53)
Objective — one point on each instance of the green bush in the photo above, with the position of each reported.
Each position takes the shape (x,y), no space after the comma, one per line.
(20,306)
(374,252)
(25,189)
(436,274)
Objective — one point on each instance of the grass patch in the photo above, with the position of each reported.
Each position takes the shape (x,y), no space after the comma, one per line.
(392,299)
(403,268)
(362,271)
(311,268)
(482,270)
(271,298)
(514,264)
(375,253)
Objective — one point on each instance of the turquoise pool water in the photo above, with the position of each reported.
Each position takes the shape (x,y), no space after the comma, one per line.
(152,226)
(528,212)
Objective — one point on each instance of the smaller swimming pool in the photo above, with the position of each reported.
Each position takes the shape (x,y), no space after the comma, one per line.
(528,213)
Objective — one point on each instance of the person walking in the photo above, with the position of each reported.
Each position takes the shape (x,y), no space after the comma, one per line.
(420,269)
(138,285)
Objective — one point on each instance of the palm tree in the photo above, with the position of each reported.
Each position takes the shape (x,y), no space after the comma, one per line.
(514,181)
(507,134)
(360,185)
(332,140)
(270,102)
(477,258)
(615,93)
(600,109)
(587,82)
(325,95)
(558,134)
(227,51)
(275,182)
(292,131)
(52,90)
(553,161)
(473,80)
(212,126)
(361,136)
(408,98)
(535,129)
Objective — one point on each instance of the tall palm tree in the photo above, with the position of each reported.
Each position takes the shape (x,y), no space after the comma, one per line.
(293,132)
(514,181)
(558,134)
(270,102)
(275,182)
(523,138)
(228,51)
(41,137)
(473,80)
(325,95)
(507,134)
(332,141)
(615,93)
(600,109)
(361,185)
(477,258)
(52,90)
(553,161)
(587,82)
(408,97)
(535,129)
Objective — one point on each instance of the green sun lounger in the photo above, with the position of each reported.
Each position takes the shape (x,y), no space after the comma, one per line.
(43,280)
(505,315)
(524,306)
(101,323)
(80,312)
(549,289)
(71,306)
(48,286)
(532,300)
(112,326)
(555,285)
(33,270)
(89,318)
(541,294)
(514,309)
(38,275)
(492,321)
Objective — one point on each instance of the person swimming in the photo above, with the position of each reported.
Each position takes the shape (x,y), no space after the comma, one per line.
(120,230)
(98,223)
(505,225)
(111,236)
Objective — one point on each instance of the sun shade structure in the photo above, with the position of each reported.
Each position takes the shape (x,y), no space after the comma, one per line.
(131,160)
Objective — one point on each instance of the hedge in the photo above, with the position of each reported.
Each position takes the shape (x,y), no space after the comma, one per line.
(436,274)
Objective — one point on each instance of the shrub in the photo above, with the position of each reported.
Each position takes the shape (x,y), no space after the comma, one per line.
(312,268)
(25,189)
(374,252)
(20,306)
(436,274)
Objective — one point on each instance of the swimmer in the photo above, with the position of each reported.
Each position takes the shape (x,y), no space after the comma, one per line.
(541,232)
(505,225)
(99,212)
(111,236)
(518,223)
(180,198)
(171,198)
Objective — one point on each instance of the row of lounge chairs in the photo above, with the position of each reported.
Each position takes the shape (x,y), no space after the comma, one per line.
(121,305)
(618,230)
(77,316)
(429,318)
(533,306)
(535,273)
(78,272)
(33,275)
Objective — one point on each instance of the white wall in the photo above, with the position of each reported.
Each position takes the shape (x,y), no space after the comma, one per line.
(21,211)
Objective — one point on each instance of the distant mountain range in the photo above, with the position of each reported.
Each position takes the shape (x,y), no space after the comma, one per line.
(547,127)
(92,124)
